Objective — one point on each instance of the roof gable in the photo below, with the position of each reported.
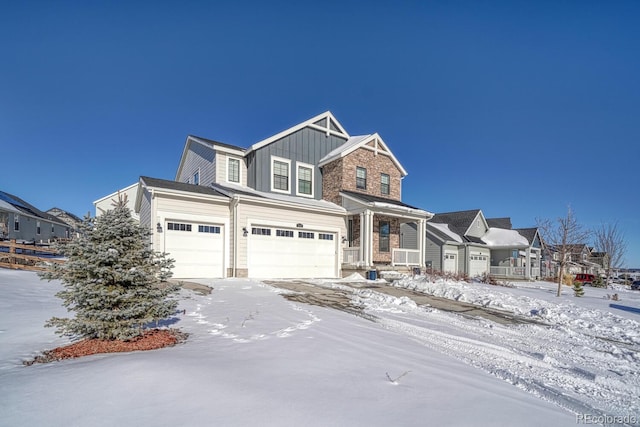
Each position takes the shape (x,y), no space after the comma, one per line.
(208,143)
(324,122)
(372,142)
(460,222)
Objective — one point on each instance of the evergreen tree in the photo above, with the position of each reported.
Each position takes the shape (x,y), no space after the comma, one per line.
(578,290)
(112,279)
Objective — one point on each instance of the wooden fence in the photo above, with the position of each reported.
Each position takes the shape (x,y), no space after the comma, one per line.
(22,256)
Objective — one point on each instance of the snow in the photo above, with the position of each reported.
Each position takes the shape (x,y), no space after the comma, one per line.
(255,358)
(501,237)
(444,228)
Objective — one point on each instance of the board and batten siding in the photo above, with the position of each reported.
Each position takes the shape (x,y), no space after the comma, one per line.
(305,146)
(251,214)
(409,235)
(145,210)
(199,157)
(433,253)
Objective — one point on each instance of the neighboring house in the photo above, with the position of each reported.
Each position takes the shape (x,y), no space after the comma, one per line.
(310,201)
(465,242)
(68,218)
(603,260)
(24,222)
(579,259)
(108,202)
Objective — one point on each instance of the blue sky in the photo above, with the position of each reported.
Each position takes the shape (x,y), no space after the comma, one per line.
(518,108)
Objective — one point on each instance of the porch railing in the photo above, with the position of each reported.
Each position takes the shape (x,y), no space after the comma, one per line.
(351,255)
(406,257)
(508,271)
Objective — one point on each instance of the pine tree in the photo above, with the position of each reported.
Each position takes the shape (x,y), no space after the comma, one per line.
(578,290)
(112,280)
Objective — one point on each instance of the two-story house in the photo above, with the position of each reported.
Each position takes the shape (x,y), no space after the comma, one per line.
(22,221)
(310,201)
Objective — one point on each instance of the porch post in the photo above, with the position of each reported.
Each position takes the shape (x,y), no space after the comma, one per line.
(369,238)
(527,270)
(362,239)
(422,237)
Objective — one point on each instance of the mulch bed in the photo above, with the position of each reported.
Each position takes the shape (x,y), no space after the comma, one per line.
(151,339)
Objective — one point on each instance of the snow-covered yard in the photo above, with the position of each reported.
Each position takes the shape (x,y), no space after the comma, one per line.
(255,358)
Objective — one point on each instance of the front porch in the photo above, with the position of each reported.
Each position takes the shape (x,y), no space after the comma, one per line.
(352,257)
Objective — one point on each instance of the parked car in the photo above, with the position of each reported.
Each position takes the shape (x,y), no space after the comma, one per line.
(586,279)
(636,285)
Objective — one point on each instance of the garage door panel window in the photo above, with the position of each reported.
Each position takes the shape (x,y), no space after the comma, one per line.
(261,231)
(178,226)
(324,236)
(284,233)
(306,235)
(209,229)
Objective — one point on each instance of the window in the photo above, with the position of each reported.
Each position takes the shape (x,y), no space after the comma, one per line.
(38,227)
(280,175)
(305,235)
(261,231)
(284,233)
(53,229)
(384,184)
(361,178)
(209,229)
(196,178)
(305,180)
(233,170)
(177,226)
(384,236)
(325,236)
(16,223)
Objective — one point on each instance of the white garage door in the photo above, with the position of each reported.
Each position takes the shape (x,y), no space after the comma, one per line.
(276,252)
(198,249)
(478,265)
(450,263)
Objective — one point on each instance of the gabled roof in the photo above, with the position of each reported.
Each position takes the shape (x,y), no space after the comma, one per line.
(504,238)
(459,222)
(211,142)
(57,211)
(324,122)
(372,142)
(20,206)
(528,233)
(443,231)
(382,202)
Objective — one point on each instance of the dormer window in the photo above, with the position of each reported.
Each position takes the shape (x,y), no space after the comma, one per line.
(196,177)
(280,175)
(361,178)
(233,170)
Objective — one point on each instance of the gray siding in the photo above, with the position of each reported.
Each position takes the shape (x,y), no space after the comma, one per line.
(500,257)
(28,229)
(409,235)
(306,145)
(198,157)
(433,253)
(145,209)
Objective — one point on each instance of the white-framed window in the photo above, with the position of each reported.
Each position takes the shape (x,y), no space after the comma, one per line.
(38,227)
(385,232)
(16,223)
(385,184)
(305,179)
(280,175)
(233,170)
(361,178)
(178,226)
(284,233)
(196,177)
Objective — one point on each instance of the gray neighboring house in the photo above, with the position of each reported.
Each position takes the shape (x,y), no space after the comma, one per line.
(24,222)
(465,242)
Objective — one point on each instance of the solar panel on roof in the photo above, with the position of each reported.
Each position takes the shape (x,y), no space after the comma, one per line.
(7,198)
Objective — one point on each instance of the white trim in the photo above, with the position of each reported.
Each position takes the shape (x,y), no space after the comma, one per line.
(239,182)
(309,123)
(313,181)
(114,194)
(271,171)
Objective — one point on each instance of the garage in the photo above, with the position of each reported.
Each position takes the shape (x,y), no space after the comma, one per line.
(478,265)
(450,263)
(277,252)
(197,248)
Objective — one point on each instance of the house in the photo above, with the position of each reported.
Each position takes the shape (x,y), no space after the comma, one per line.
(68,218)
(465,242)
(24,222)
(107,202)
(310,201)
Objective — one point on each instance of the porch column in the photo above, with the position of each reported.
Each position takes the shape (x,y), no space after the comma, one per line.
(362,234)
(368,242)
(422,237)
(527,270)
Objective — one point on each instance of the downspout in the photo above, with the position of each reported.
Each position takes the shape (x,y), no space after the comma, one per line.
(234,208)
